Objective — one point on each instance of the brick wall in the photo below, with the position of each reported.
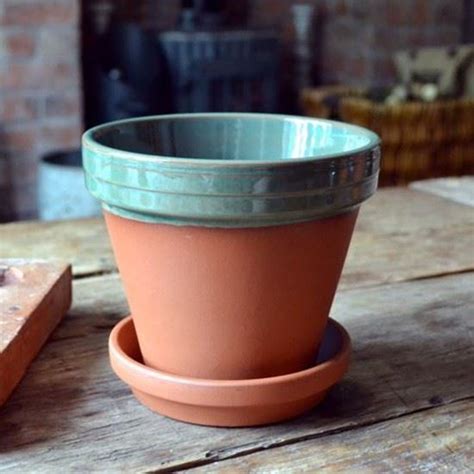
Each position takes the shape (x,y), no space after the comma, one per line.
(40,99)
(355,39)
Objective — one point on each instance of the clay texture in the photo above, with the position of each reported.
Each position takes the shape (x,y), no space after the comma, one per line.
(230,303)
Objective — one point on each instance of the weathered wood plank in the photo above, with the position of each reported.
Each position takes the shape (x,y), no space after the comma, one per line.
(436,440)
(457,189)
(401,234)
(81,242)
(413,349)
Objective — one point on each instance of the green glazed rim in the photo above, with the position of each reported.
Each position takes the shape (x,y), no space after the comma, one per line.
(232,192)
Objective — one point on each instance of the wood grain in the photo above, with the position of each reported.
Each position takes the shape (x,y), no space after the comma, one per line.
(413,349)
(460,190)
(82,242)
(403,235)
(400,235)
(436,440)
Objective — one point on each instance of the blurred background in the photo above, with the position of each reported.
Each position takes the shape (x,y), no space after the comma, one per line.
(404,68)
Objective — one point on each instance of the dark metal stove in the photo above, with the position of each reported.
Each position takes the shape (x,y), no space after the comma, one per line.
(201,66)
(222,70)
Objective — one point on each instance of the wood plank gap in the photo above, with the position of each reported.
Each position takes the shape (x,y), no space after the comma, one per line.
(431,276)
(98,273)
(215,456)
(439,440)
(436,275)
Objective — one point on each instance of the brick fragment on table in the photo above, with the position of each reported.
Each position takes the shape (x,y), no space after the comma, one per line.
(34,297)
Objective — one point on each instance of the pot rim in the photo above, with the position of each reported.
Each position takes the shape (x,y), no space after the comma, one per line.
(89,140)
(229,193)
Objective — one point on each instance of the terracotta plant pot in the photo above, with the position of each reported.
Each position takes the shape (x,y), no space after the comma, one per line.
(230,232)
(230,303)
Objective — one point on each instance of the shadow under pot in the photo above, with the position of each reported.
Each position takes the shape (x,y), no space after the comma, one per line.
(230,232)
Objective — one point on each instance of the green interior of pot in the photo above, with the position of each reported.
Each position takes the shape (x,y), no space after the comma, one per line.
(241,137)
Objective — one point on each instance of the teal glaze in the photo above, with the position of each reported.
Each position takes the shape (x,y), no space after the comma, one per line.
(230,170)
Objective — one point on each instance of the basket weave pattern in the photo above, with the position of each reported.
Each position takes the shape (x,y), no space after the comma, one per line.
(419,140)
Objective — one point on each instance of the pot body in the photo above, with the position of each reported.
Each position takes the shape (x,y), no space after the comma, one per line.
(230,303)
(230,232)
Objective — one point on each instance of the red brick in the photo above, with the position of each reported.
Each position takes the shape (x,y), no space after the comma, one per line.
(54,137)
(340,7)
(14,108)
(24,12)
(21,44)
(58,43)
(18,138)
(35,297)
(402,12)
(422,12)
(36,75)
(17,44)
(396,12)
(61,105)
(330,8)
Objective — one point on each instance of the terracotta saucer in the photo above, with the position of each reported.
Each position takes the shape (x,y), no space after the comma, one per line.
(229,402)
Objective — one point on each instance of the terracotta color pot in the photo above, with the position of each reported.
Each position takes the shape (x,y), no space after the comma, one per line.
(230,402)
(230,232)
(230,303)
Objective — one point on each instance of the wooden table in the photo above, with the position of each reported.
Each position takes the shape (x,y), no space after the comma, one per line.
(406,405)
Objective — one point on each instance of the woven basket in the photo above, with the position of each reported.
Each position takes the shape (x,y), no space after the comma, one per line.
(324,101)
(419,140)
